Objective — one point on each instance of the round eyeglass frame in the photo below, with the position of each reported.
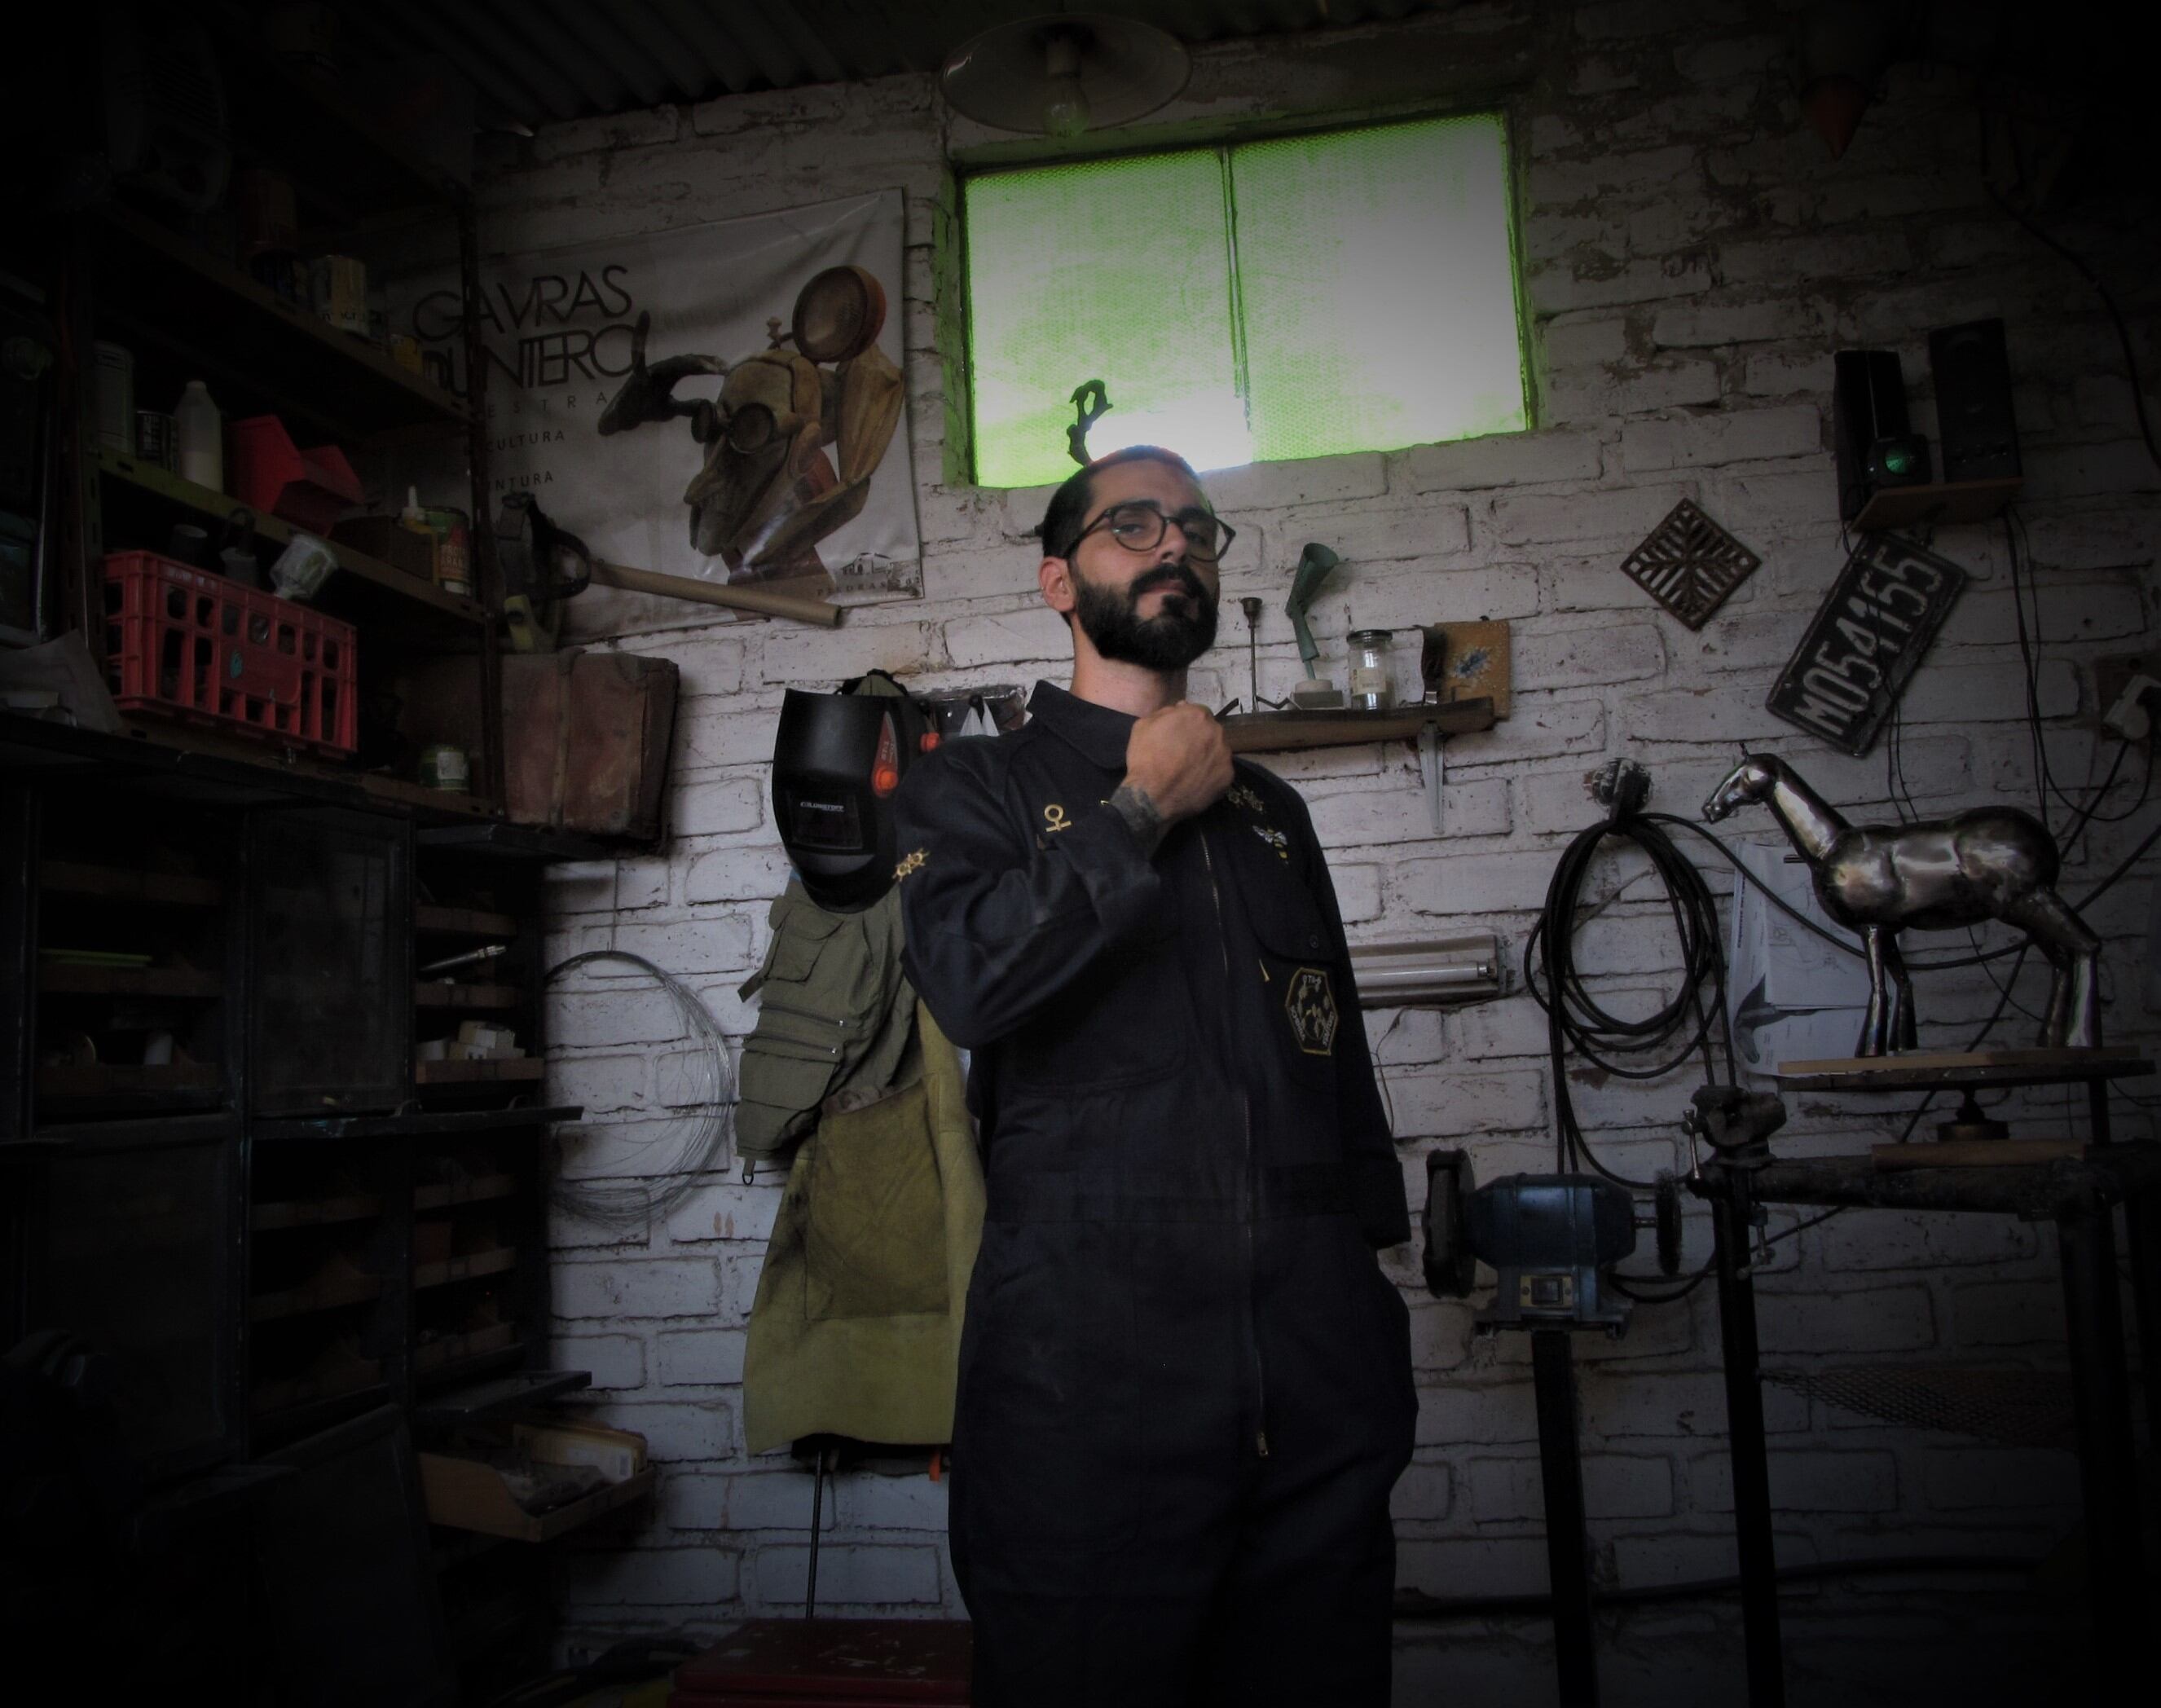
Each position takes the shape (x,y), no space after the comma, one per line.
(1163,522)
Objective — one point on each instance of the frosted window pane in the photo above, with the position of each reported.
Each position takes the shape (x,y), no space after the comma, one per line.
(1116,271)
(1378,288)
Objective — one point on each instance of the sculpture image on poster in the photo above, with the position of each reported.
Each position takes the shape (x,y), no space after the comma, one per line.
(722,402)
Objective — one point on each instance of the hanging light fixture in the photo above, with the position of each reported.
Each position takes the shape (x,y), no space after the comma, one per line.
(1062,75)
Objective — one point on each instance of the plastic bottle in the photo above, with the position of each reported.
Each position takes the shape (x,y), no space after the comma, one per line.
(199,430)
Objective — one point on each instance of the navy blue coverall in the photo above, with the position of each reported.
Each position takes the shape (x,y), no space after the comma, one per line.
(1184,1383)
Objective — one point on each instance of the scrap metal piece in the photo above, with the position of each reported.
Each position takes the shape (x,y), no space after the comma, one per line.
(1689,565)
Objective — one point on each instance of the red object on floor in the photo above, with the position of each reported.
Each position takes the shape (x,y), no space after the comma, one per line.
(184,644)
(831,1664)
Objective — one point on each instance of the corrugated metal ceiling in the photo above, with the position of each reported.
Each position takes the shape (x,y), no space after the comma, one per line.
(536,61)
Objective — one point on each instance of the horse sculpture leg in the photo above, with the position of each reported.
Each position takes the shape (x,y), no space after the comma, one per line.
(1875,1031)
(1898,1025)
(2073,1018)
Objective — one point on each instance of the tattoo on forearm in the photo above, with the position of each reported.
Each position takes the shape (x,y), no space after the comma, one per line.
(1139,812)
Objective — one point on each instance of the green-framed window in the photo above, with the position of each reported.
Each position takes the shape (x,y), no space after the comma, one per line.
(1304,296)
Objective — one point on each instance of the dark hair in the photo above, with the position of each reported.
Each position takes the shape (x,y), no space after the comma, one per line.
(1068,511)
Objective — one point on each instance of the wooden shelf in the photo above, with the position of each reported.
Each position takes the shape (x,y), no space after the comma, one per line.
(481,1189)
(464,922)
(1946,503)
(332,1294)
(478,1073)
(112,1079)
(1933,1069)
(203,500)
(437,1123)
(112,883)
(60,978)
(451,1349)
(313,1212)
(1283,732)
(275,1397)
(155,279)
(432,995)
(464,1268)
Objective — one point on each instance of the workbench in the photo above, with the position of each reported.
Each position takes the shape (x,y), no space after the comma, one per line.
(2078,1192)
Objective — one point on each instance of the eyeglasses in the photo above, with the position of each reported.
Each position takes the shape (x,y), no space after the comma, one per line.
(1140,526)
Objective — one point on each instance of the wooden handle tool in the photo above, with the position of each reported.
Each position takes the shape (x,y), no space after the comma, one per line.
(755,599)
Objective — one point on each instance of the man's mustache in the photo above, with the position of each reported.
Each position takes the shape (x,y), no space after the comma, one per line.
(1176,576)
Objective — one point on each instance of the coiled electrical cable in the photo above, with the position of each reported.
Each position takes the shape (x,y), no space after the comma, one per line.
(1575,1021)
(692,1143)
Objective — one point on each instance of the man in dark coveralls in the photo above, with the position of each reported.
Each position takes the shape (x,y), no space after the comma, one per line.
(1184,1387)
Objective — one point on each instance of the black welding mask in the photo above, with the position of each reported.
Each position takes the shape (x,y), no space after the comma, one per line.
(836,765)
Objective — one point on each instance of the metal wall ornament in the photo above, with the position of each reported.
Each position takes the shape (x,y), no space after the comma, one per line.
(1994,862)
(1689,565)
(1865,641)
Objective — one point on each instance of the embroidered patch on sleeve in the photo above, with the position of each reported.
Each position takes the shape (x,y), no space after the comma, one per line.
(913,862)
(1310,1002)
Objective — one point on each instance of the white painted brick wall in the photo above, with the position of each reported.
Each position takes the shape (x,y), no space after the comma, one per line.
(1691,257)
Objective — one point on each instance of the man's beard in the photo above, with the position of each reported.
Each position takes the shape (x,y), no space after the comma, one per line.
(1171,640)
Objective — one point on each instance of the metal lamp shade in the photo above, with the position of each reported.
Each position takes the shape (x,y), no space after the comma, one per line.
(1124,70)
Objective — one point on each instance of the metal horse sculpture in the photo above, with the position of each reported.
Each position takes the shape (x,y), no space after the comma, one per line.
(1994,862)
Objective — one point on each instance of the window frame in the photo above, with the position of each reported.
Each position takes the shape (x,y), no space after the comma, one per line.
(950,261)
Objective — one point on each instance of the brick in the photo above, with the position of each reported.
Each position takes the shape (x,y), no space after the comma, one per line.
(849,1576)
(1877,1319)
(1475,883)
(1538,727)
(1578,340)
(2008,1314)
(715,942)
(870,1501)
(698,1432)
(1669,384)
(778,1500)
(585,1019)
(649,1577)
(700,1357)
(710,735)
(1722,62)
(1273,486)
(1557,289)
(1701,326)
(735,875)
(615,1361)
(589,886)
(1962,1479)
(1504,460)
(647,1286)
(1977,693)
(724,1208)
(1619,1404)
(1402,812)
(619,131)
(1035,636)
(1678,441)
(600,1083)
(804,658)
(717,807)
(691,1500)
(1781,374)
(1398,596)
(1454,1102)
(1577,658)
(1615,1486)
(1621,516)
(1366,534)
(1455,1414)
(1804,1481)
(1485,1566)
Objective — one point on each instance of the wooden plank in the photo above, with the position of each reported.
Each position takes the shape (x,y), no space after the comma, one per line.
(1920,1070)
(318,1295)
(129,981)
(493,1262)
(107,1080)
(464,922)
(118,883)
(1976,1153)
(313,1212)
(433,995)
(1940,504)
(475,1073)
(479,1189)
(1283,731)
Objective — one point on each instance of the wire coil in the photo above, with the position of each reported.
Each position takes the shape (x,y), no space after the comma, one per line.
(700,1135)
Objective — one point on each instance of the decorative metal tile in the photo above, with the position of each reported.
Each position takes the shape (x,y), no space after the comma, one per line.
(1689,565)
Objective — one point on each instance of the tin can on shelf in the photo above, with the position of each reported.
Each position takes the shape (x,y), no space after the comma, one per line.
(453,530)
(444,767)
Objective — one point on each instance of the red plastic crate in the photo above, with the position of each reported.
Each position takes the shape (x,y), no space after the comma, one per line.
(184,644)
(832,1664)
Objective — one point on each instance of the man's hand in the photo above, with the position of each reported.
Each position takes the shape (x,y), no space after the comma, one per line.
(1177,761)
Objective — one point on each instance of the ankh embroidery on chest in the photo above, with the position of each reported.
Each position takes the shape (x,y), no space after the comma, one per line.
(1054,819)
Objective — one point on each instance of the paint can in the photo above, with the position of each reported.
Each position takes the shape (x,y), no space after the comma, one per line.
(444,767)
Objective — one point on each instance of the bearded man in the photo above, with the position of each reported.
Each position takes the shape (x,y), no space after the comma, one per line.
(1185,1384)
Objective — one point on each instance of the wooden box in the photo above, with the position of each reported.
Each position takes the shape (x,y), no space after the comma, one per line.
(586,739)
(466,1495)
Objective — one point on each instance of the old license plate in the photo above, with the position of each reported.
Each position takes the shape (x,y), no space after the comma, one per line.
(1865,641)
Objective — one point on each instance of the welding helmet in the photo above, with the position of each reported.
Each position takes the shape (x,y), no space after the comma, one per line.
(837,762)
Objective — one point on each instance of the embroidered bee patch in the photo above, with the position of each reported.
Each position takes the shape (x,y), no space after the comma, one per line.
(1310,1002)
(1275,839)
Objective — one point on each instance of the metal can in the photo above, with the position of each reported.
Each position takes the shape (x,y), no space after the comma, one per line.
(444,767)
(453,531)
(155,438)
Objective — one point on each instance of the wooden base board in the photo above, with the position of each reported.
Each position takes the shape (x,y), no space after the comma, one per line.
(1976,1153)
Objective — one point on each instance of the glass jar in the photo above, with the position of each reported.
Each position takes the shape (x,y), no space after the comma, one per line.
(1373,688)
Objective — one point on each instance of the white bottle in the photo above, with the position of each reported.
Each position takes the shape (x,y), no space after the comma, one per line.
(199,433)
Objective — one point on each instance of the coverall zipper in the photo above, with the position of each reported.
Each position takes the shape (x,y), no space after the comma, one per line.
(1252,1183)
